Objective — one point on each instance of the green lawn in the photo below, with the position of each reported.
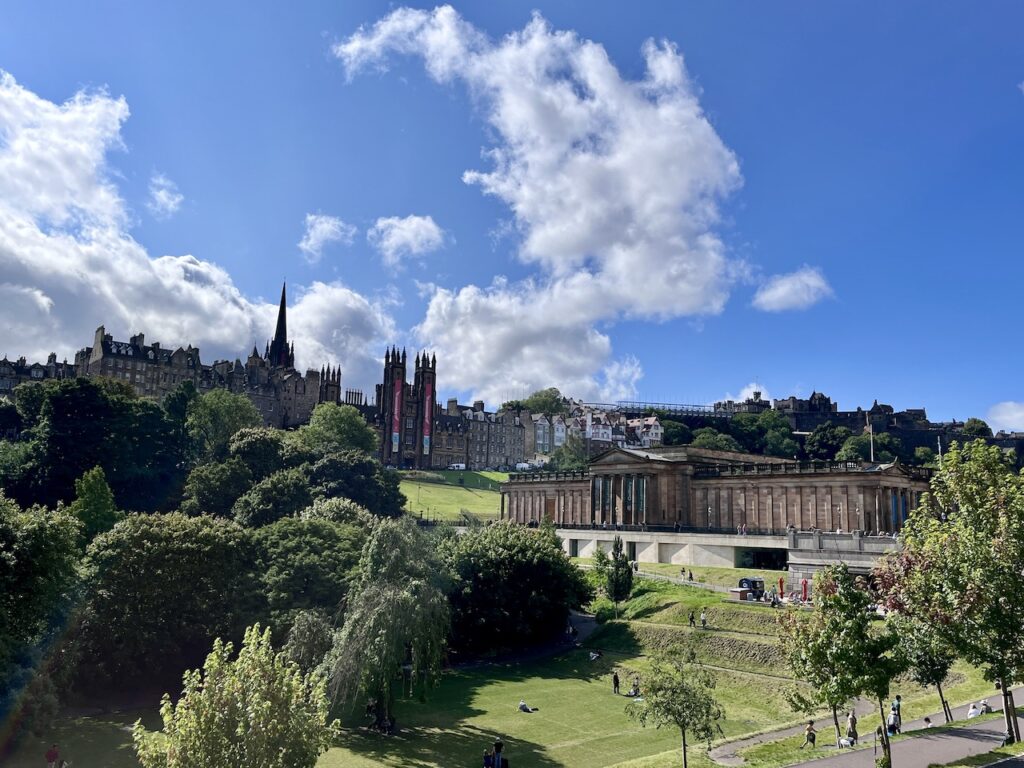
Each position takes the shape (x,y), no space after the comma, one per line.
(445,502)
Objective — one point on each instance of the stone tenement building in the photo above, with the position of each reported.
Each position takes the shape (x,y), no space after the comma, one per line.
(696,491)
(13,373)
(284,397)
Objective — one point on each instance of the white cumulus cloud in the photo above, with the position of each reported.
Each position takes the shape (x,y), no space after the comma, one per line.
(797,290)
(1008,415)
(396,238)
(614,185)
(321,230)
(68,263)
(164,197)
(747,392)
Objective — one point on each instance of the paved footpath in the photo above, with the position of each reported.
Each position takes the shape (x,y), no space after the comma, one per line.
(918,751)
(922,750)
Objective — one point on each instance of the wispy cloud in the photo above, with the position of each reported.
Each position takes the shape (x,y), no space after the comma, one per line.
(395,238)
(796,290)
(164,197)
(321,230)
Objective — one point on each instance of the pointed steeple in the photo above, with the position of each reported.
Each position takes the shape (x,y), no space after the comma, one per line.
(279,352)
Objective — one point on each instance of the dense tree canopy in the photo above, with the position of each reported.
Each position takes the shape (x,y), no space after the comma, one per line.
(825,441)
(514,586)
(975,427)
(254,710)
(333,428)
(160,588)
(213,489)
(708,437)
(571,456)
(283,494)
(676,433)
(858,448)
(214,417)
(307,564)
(94,505)
(261,449)
(549,401)
(354,475)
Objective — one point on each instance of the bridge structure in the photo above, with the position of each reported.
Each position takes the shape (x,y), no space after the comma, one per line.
(676,409)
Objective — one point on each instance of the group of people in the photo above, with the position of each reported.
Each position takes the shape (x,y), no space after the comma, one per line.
(703,619)
(850,740)
(493,757)
(981,708)
(634,691)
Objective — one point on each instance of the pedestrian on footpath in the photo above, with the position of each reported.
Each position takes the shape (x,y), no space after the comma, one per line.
(897,704)
(693,619)
(851,727)
(810,735)
(52,756)
(703,619)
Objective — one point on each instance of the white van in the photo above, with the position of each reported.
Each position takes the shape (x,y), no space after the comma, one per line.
(456,466)
(523,466)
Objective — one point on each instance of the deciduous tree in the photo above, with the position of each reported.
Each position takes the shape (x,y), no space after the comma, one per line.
(254,710)
(679,692)
(825,441)
(94,505)
(333,428)
(620,575)
(213,489)
(283,494)
(214,417)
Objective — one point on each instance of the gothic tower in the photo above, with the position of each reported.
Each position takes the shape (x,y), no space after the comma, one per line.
(425,389)
(280,354)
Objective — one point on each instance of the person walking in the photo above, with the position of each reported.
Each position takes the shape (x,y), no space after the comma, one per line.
(52,756)
(615,683)
(897,705)
(693,619)
(810,735)
(851,727)
(703,619)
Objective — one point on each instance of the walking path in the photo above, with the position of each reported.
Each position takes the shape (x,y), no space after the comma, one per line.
(917,751)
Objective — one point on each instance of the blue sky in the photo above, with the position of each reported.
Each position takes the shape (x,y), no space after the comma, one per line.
(858,167)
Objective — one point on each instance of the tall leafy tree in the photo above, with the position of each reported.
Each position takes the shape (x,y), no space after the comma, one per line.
(620,575)
(258,709)
(709,437)
(825,441)
(927,657)
(975,427)
(514,586)
(398,618)
(825,649)
(571,456)
(159,589)
(94,505)
(356,476)
(333,428)
(962,562)
(679,692)
(214,417)
(38,558)
(858,448)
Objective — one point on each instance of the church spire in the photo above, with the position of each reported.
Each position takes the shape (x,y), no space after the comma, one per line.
(279,351)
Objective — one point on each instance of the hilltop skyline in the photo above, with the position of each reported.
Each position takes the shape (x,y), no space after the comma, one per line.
(637,204)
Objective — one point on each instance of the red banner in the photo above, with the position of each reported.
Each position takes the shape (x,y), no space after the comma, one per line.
(428,415)
(396,416)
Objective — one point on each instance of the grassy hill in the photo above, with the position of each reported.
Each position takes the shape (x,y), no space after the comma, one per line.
(444,494)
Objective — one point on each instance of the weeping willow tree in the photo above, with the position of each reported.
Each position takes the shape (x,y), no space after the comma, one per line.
(397,621)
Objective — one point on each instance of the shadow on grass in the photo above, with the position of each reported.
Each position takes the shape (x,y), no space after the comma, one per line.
(441,732)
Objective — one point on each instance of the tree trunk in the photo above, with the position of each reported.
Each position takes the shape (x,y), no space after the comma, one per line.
(835,719)
(684,748)
(886,753)
(1013,716)
(1008,714)
(946,712)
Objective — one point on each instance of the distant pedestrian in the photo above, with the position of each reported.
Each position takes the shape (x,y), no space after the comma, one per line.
(690,576)
(897,704)
(985,709)
(810,735)
(693,619)
(927,723)
(615,683)
(973,711)
(892,722)
(488,758)
(851,727)
(703,619)
(744,529)
(52,756)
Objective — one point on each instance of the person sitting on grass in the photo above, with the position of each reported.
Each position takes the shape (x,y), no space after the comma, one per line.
(973,711)
(523,707)
(810,735)
(985,709)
